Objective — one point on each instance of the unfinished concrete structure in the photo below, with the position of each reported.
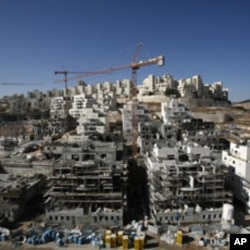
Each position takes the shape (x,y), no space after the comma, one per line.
(192,129)
(131,109)
(16,192)
(183,190)
(176,123)
(183,177)
(150,132)
(88,185)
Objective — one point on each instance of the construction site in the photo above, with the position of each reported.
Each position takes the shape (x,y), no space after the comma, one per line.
(100,166)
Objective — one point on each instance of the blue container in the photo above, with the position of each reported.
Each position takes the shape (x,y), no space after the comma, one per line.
(4,237)
(34,240)
(41,241)
(80,240)
(70,238)
(75,239)
(53,235)
(59,242)
(57,236)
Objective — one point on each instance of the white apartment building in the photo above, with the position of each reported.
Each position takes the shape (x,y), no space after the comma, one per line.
(57,108)
(190,85)
(237,159)
(123,88)
(107,100)
(91,118)
(187,87)
(15,104)
(156,85)
(172,109)
(217,91)
(92,121)
(38,100)
(79,103)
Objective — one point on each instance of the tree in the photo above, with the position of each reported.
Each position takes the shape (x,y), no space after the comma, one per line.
(172,92)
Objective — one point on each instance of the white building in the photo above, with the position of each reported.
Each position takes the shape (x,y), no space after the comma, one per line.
(15,104)
(156,85)
(218,92)
(123,88)
(79,103)
(91,118)
(57,107)
(191,85)
(237,159)
(172,109)
(196,151)
(107,100)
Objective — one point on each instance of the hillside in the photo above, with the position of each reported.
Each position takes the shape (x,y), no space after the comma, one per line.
(243,104)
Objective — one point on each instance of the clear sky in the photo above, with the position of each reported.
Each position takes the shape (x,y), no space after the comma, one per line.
(206,37)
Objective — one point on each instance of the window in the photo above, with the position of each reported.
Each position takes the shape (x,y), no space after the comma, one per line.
(56,217)
(75,157)
(170,157)
(67,218)
(62,217)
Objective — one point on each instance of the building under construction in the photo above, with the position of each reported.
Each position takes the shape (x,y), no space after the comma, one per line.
(16,192)
(88,186)
(183,190)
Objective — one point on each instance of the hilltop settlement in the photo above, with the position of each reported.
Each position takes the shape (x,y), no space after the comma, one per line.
(119,165)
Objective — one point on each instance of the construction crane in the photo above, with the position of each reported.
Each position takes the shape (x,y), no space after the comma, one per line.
(19,84)
(65,73)
(135,66)
(66,97)
(65,80)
